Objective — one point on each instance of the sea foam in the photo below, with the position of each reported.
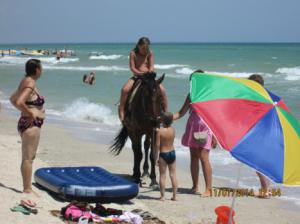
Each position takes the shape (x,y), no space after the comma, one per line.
(10,60)
(87,68)
(82,109)
(185,72)
(292,73)
(168,66)
(106,57)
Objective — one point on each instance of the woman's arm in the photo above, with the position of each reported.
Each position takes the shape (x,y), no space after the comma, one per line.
(132,66)
(19,98)
(185,107)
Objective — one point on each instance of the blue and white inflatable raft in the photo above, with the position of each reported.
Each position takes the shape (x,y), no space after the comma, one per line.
(91,184)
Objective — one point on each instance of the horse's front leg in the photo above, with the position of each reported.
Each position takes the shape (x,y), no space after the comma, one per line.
(138,155)
(146,163)
(153,183)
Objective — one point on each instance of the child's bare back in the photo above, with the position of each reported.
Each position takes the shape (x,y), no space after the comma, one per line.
(167,136)
(165,155)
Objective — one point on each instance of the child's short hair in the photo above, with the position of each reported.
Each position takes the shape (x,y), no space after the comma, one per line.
(167,119)
(257,78)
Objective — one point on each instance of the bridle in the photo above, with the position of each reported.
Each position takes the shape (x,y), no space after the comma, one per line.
(153,119)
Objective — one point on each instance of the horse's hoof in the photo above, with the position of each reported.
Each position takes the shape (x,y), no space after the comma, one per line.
(145,175)
(143,181)
(154,187)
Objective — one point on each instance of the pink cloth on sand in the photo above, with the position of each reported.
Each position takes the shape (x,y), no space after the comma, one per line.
(196,124)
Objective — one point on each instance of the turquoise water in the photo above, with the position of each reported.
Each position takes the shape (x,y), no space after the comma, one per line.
(92,108)
(62,81)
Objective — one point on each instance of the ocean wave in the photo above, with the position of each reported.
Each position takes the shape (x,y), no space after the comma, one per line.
(53,60)
(292,77)
(81,68)
(220,157)
(239,74)
(53,112)
(105,57)
(83,110)
(181,73)
(184,71)
(168,66)
(291,73)
(10,60)
(233,74)
(177,76)
(7,104)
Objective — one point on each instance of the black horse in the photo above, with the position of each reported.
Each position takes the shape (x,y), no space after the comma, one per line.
(143,107)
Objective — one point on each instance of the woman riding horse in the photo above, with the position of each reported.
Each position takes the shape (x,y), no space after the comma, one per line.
(143,107)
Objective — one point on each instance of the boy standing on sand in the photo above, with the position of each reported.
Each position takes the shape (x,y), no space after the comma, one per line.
(264,182)
(165,154)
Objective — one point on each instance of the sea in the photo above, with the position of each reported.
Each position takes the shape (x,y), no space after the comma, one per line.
(90,112)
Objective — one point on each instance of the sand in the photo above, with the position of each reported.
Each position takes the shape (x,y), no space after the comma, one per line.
(60,148)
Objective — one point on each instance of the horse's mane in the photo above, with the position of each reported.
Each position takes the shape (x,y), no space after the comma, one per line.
(146,85)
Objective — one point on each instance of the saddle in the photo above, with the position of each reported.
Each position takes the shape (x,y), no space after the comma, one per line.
(133,92)
(128,104)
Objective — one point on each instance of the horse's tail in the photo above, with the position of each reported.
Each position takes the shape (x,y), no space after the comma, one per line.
(119,141)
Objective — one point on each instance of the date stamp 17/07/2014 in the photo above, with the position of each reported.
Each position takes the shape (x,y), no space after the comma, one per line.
(245,192)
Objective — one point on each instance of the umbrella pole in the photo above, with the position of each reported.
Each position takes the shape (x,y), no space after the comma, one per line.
(235,193)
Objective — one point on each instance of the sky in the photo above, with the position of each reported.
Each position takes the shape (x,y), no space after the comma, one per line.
(85,21)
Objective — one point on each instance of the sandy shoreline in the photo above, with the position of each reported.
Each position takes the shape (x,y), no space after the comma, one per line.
(59,148)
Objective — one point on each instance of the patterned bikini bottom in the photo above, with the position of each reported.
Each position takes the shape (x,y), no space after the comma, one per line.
(25,123)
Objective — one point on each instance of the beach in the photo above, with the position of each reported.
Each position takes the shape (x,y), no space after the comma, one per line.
(82,121)
(59,147)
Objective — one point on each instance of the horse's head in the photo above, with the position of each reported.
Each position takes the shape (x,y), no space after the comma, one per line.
(151,85)
(151,94)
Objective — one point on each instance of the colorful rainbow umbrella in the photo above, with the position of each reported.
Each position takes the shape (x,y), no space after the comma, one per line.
(252,123)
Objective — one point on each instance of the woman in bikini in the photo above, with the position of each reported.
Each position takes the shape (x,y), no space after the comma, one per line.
(28,100)
(141,60)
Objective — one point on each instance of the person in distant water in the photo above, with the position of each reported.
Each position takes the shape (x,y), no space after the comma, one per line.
(90,79)
(141,60)
(199,138)
(28,100)
(58,55)
(264,181)
(165,156)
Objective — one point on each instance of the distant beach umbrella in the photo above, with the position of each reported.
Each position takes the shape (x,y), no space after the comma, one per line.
(250,122)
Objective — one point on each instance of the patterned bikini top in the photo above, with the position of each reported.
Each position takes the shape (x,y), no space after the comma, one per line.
(39,101)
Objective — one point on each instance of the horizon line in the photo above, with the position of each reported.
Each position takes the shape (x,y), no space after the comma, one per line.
(159,42)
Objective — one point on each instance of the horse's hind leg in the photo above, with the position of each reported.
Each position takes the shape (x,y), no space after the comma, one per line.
(146,164)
